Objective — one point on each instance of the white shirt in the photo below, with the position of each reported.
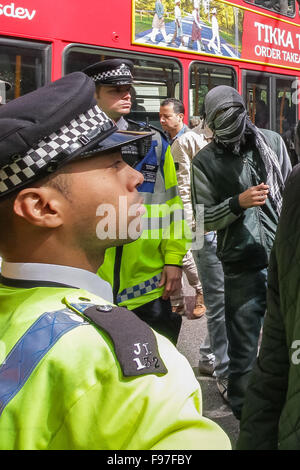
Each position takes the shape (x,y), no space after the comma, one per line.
(122,124)
(214,25)
(67,275)
(195,15)
(177,13)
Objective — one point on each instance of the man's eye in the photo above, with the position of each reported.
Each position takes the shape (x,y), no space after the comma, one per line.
(117,164)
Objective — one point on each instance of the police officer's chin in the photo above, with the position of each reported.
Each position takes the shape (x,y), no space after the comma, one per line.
(134,231)
(127,241)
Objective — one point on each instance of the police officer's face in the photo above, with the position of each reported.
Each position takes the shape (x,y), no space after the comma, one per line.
(115,101)
(103,188)
(87,206)
(170,121)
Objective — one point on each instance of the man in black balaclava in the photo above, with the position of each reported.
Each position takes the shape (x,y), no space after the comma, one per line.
(239,177)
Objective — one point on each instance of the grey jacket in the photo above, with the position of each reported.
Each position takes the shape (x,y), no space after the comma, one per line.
(183,150)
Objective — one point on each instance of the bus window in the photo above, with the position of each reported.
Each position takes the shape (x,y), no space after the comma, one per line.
(203,77)
(257,99)
(284,7)
(271,104)
(269,100)
(4,87)
(25,65)
(154,78)
(286,113)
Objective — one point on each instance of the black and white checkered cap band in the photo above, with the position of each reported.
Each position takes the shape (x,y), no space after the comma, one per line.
(68,139)
(122,72)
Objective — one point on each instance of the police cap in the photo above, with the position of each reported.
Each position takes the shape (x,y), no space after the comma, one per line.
(45,129)
(113,72)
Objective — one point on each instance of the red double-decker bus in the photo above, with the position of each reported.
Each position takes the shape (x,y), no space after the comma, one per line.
(179,48)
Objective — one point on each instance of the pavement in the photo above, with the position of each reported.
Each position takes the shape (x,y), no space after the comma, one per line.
(214,407)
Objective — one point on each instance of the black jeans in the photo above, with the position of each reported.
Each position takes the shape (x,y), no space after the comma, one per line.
(245,307)
(158,314)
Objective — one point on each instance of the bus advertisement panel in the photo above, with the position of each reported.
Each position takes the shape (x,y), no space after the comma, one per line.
(223,30)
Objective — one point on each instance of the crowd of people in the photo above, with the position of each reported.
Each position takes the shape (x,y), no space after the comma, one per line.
(91,313)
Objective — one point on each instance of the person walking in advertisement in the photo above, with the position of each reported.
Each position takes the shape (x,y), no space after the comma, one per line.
(196,29)
(215,33)
(158,23)
(178,33)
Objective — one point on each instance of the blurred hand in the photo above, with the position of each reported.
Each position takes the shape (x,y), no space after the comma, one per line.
(254,196)
(171,279)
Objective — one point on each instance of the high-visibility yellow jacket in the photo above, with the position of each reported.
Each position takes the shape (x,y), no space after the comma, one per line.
(134,270)
(63,385)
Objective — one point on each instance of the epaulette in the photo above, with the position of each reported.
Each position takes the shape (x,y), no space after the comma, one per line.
(134,341)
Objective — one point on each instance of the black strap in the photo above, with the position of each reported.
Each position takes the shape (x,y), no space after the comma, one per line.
(134,342)
(29,284)
(117,270)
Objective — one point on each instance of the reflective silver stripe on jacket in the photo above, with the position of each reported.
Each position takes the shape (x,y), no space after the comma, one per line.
(163,222)
(160,197)
(139,289)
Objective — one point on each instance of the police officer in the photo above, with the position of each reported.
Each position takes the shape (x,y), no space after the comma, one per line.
(76,372)
(146,273)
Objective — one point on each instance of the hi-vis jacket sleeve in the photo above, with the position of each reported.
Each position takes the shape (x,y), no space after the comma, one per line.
(177,237)
(217,215)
